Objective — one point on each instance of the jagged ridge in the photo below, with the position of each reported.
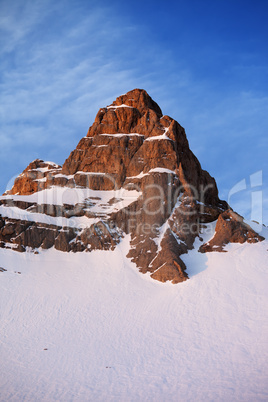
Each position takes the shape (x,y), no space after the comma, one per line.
(131,149)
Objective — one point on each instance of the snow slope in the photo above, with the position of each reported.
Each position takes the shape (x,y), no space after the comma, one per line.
(90,327)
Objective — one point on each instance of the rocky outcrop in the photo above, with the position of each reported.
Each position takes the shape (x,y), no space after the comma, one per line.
(230,228)
(131,148)
(35,177)
(20,234)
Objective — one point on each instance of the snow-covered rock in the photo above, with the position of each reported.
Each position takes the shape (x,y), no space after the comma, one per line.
(133,173)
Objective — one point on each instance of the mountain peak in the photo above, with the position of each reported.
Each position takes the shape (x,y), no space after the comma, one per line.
(138,99)
(133,112)
(133,173)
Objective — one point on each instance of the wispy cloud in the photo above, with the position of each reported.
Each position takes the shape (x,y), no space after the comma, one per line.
(53,84)
(60,62)
(17,20)
(57,82)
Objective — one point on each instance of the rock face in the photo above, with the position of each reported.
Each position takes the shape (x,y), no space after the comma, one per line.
(133,173)
(230,228)
(35,177)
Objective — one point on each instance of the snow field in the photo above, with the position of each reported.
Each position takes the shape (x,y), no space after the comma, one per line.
(113,334)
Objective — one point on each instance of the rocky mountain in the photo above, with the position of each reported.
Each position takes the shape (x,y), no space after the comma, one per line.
(134,175)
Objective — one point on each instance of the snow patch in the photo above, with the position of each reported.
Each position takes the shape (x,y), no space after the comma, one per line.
(119,106)
(122,135)
(99,203)
(155,170)
(160,137)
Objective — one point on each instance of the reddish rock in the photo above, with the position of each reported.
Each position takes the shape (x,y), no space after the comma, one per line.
(122,144)
(34,178)
(230,228)
(130,145)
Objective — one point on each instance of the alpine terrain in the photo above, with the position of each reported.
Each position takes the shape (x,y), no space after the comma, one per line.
(123,275)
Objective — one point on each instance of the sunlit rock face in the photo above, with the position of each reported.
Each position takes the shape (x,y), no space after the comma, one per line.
(133,173)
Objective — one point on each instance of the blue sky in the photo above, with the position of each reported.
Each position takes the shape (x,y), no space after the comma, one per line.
(204,62)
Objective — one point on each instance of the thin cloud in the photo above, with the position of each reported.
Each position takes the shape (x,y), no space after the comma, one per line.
(47,97)
(53,81)
(17,20)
